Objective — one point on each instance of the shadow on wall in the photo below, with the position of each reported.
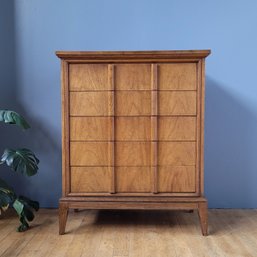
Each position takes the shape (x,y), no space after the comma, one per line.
(230,150)
(46,186)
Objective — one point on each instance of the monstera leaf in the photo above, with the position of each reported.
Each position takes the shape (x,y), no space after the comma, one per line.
(7,196)
(24,208)
(12,117)
(21,160)
(22,205)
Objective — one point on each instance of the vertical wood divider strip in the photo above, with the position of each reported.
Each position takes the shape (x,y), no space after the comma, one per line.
(66,176)
(154,127)
(198,126)
(202,127)
(111,142)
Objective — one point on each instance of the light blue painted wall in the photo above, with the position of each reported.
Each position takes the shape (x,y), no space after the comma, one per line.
(228,28)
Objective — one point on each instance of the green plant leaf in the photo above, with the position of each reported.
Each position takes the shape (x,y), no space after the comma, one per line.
(12,117)
(21,160)
(7,195)
(29,202)
(24,208)
(18,206)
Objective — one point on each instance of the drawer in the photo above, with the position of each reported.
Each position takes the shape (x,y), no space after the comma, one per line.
(132,103)
(133,128)
(89,154)
(177,102)
(176,179)
(132,77)
(90,103)
(90,179)
(90,128)
(88,77)
(132,153)
(176,153)
(133,179)
(176,128)
(177,76)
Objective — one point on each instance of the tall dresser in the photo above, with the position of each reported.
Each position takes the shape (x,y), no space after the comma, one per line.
(132,131)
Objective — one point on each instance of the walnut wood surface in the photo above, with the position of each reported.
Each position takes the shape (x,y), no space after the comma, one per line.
(90,179)
(177,103)
(132,77)
(133,125)
(88,77)
(177,76)
(176,128)
(176,179)
(176,153)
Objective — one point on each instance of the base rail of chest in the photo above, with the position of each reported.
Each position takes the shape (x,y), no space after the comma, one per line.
(130,203)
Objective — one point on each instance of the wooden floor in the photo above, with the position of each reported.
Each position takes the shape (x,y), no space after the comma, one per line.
(132,234)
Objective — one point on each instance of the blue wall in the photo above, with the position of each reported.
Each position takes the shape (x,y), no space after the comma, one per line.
(228,28)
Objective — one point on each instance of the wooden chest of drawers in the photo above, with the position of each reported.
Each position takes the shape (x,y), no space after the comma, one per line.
(132,131)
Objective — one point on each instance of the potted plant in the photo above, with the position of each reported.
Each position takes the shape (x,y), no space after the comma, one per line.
(20,160)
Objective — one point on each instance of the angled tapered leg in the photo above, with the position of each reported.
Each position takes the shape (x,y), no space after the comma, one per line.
(203,216)
(63,214)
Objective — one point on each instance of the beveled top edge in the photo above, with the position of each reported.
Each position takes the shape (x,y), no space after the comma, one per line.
(169,54)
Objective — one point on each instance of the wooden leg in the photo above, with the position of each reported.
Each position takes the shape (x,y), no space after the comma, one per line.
(203,216)
(63,214)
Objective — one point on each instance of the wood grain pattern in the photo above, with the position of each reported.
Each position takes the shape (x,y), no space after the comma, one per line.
(154,128)
(88,77)
(176,128)
(133,179)
(201,128)
(132,77)
(177,103)
(89,154)
(91,128)
(90,179)
(65,128)
(177,76)
(176,153)
(134,103)
(132,153)
(133,131)
(179,179)
(111,129)
(90,103)
(134,234)
(143,56)
(133,128)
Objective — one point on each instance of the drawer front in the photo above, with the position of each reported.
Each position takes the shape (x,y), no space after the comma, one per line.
(132,76)
(90,179)
(90,103)
(177,76)
(177,102)
(134,103)
(89,154)
(88,77)
(132,128)
(139,138)
(90,128)
(133,179)
(176,153)
(132,153)
(176,128)
(176,179)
